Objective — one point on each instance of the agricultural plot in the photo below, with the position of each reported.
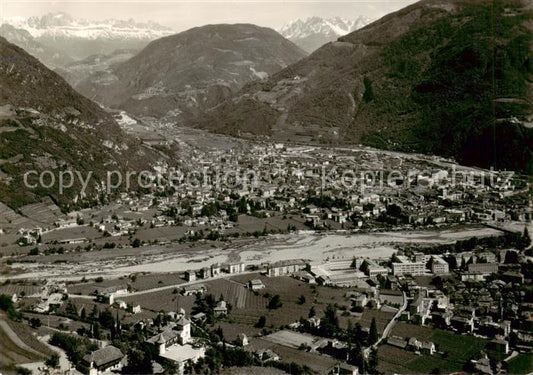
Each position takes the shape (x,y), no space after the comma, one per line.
(151,281)
(250,224)
(232,330)
(139,282)
(29,337)
(521,364)
(382,319)
(46,212)
(453,351)
(161,234)
(316,362)
(19,289)
(59,322)
(13,353)
(289,291)
(166,300)
(231,291)
(87,232)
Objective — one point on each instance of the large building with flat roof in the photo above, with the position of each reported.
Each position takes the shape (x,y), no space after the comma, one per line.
(405,266)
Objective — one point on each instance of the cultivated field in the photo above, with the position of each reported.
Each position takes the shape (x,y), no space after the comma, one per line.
(17,353)
(453,351)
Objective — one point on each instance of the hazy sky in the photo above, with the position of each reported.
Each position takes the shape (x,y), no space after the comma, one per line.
(181,15)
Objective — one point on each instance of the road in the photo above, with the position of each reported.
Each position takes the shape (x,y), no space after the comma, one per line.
(389,326)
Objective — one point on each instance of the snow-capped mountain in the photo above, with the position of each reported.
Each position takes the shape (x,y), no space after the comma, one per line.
(80,38)
(51,57)
(314,32)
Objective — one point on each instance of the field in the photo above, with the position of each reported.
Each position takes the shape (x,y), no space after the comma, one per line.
(453,351)
(248,306)
(255,304)
(28,336)
(18,288)
(318,363)
(21,352)
(142,282)
(521,364)
(250,224)
(166,300)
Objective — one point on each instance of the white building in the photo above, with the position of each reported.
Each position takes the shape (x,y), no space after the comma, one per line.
(285,267)
(405,266)
(439,266)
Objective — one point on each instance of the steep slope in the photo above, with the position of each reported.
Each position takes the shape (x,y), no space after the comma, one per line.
(449,77)
(49,56)
(81,38)
(181,74)
(46,125)
(314,32)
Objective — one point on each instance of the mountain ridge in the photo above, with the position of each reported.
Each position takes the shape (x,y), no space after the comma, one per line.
(46,126)
(80,38)
(181,74)
(381,85)
(313,32)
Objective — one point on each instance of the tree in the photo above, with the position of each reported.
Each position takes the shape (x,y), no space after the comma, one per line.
(35,322)
(301,300)
(373,361)
(261,322)
(357,358)
(373,334)
(329,325)
(53,361)
(526,239)
(136,243)
(275,302)
(368,95)
(71,309)
(511,257)
(139,362)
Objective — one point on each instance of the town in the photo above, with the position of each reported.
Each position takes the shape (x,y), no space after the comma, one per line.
(431,271)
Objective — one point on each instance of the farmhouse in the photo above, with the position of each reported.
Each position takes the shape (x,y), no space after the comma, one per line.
(221,308)
(102,360)
(256,284)
(191,290)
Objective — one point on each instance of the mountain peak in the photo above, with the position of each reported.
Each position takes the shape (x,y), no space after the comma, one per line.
(314,31)
(61,24)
